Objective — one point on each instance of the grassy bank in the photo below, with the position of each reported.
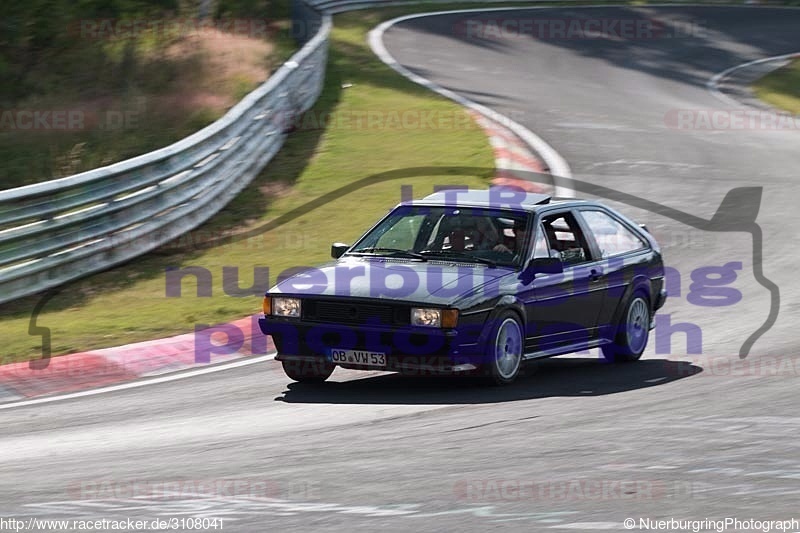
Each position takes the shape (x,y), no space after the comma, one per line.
(92,85)
(352,133)
(781,88)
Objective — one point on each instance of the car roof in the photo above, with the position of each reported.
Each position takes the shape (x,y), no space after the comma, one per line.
(493,198)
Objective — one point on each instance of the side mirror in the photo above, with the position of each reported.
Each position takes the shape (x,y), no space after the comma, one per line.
(644,227)
(338,249)
(544,265)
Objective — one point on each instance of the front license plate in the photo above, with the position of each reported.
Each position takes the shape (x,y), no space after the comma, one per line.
(358,357)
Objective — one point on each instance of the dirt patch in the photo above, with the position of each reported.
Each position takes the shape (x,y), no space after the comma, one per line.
(225,67)
(275,189)
(164,94)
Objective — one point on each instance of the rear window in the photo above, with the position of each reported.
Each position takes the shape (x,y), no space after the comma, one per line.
(612,237)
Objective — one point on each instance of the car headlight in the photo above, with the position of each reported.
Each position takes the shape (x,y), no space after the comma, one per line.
(434,318)
(286,307)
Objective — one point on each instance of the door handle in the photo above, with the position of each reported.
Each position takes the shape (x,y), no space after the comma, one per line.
(595,275)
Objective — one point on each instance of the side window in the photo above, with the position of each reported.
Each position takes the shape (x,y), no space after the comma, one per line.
(540,248)
(612,237)
(565,238)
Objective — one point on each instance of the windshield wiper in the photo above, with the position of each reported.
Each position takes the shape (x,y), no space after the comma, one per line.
(461,255)
(389,252)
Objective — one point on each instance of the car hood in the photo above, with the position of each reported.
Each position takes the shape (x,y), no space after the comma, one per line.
(431,282)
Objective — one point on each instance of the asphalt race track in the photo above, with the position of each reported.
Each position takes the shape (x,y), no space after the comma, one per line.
(575,444)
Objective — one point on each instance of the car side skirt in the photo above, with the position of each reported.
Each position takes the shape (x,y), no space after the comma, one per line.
(566,348)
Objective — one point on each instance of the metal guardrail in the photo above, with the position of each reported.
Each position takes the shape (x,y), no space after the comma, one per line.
(60,230)
(340,6)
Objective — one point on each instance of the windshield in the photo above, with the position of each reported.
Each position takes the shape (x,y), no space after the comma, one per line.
(488,236)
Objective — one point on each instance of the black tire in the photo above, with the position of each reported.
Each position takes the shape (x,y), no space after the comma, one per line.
(308,371)
(633,331)
(505,349)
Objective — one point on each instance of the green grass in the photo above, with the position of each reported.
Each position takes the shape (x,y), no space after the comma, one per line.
(781,88)
(129,304)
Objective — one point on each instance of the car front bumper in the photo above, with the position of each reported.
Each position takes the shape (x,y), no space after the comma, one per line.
(407,349)
(406,365)
(661,299)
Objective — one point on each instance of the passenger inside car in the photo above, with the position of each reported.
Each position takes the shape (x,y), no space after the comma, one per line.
(565,238)
(515,238)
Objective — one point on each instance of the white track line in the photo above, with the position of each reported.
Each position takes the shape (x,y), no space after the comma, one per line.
(557,164)
(142,383)
(713,84)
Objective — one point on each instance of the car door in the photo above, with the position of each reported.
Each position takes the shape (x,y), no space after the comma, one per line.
(623,254)
(566,306)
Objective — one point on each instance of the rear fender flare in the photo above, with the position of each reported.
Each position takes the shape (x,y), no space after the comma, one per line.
(639,283)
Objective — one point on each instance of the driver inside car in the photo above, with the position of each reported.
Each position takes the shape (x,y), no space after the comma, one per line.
(516,244)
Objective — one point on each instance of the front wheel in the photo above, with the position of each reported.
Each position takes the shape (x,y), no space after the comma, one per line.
(308,371)
(632,333)
(506,347)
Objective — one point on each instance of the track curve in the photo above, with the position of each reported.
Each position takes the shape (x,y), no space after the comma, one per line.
(576,444)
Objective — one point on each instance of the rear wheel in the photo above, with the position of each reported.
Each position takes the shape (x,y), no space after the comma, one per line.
(308,371)
(632,333)
(505,348)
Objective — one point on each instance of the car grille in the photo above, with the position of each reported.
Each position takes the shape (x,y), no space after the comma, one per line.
(355,313)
